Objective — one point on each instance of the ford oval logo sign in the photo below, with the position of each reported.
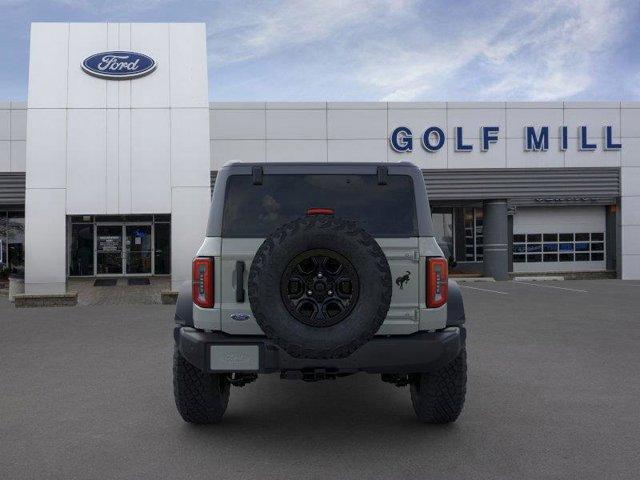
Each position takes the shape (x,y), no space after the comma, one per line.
(118,65)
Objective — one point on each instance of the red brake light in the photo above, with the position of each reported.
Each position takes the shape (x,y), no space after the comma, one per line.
(320,211)
(437,282)
(202,282)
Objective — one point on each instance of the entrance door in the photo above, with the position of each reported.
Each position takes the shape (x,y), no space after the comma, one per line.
(109,249)
(139,251)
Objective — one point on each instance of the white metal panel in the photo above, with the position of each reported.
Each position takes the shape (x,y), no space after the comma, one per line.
(5,124)
(630,154)
(5,156)
(18,156)
(152,90)
(357,124)
(495,157)
(630,181)
(124,161)
(592,118)
(18,124)
(358,150)
(124,86)
(630,122)
(518,118)
(238,124)
(150,161)
(189,145)
(420,105)
(86,161)
(630,268)
(112,161)
(237,105)
(356,105)
(296,150)
(296,105)
(296,124)
(188,224)
(471,119)
(518,157)
(86,91)
(223,151)
(418,120)
(47,148)
(421,157)
(188,69)
(45,241)
(48,62)
(630,211)
(113,43)
(631,239)
(574,157)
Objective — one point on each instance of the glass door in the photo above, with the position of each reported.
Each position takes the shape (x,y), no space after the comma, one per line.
(109,250)
(139,249)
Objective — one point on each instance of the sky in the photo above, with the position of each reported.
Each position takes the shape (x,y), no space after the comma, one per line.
(377,50)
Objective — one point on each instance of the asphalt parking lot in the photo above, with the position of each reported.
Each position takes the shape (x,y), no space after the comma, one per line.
(554,392)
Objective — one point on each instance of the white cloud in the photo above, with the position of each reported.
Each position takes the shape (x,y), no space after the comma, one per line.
(546,51)
(407,50)
(257,30)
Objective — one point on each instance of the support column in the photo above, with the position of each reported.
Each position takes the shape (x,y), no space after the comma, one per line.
(495,237)
(45,241)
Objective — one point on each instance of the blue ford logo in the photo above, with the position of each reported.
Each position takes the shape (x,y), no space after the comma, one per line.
(118,65)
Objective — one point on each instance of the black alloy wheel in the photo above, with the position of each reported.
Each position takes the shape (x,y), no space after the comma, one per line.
(319,287)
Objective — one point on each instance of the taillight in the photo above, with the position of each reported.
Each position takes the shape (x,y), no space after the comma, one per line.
(320,211)
(437,282)
(202,282)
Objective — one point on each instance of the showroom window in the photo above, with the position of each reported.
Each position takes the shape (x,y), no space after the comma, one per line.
(558,247)
(115,245)
(11,242)
(473,239)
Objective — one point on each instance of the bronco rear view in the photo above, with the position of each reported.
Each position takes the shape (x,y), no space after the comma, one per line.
(318,271)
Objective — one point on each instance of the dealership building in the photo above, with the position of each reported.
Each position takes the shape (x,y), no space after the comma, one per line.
(107,168)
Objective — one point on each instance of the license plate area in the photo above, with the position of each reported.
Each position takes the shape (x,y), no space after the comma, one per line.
(234,358)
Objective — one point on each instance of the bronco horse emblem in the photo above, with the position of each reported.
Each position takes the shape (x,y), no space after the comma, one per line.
(400,281)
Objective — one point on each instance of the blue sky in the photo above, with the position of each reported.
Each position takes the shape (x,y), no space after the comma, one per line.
(363,50)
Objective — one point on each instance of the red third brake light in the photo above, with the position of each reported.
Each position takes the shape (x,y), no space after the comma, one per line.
(320,211)
(202,282)
(437,282)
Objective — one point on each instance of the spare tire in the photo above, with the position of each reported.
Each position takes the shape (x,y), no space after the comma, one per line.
(320,287)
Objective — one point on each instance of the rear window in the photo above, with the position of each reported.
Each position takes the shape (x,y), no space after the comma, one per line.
(382,210)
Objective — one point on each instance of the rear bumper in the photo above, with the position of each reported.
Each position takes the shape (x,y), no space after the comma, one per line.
(419,352)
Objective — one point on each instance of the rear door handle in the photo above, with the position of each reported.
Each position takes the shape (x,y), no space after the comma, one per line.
(240,281)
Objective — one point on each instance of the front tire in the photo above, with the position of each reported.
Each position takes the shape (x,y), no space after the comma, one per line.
(438,397)
(201,398)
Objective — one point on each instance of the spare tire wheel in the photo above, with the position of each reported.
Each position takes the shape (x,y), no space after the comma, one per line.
(320,287)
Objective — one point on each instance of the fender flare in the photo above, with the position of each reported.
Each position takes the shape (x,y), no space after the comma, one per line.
(455,305)
(184,306)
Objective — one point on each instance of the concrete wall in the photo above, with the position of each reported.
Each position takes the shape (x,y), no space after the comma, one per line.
(13,136)
(99,146)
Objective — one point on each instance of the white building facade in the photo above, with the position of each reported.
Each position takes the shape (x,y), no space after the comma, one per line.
(118,171)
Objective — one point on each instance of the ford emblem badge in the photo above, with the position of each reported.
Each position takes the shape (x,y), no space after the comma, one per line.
(118,65)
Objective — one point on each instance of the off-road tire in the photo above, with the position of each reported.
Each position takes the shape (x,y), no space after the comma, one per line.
(344,237)
(200,397)
(438,397)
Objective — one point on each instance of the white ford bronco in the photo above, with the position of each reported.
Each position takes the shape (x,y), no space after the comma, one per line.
(318,271)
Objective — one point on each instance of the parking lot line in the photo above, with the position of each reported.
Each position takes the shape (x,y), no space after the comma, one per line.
(484,289)
(552,286)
